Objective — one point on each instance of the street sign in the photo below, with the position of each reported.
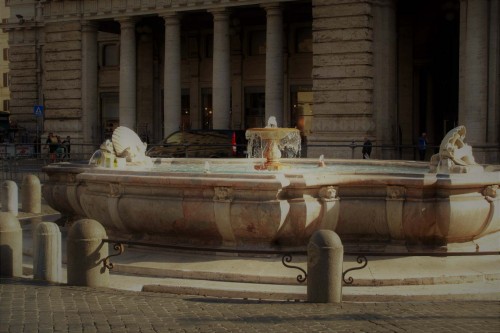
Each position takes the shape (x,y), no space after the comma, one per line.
(38,110)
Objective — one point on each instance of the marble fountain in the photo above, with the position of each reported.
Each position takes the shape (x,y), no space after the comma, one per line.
(275,203)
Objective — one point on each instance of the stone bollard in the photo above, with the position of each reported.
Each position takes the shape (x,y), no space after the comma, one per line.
(31,194)
(86,251)
(9,196)
(47,252)
(325,256)
(11,245)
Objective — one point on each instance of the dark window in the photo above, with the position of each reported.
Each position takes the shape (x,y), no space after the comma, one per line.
(257,42)
(6,105)
(303,40)
(255,103)
(6,54)
(209,46)
(206,107)
(185,109)
(6,79)
(111,55)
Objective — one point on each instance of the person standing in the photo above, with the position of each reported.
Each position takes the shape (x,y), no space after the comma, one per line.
(67,146)
(53,144)
(367,149)
(422,145)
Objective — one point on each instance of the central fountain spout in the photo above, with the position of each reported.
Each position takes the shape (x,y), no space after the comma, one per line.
(269,142)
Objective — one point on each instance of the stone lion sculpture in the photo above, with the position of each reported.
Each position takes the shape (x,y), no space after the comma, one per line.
(455,156)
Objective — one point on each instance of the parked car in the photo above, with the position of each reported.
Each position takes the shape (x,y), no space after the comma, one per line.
(201,143)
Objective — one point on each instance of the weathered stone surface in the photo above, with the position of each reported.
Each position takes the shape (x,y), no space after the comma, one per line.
(63,75)
(62,26)
(322,36)
(342,59)
(109,78)
(67,125)
(342,108)
(343,124)
(343,96)
(342,9)
(17,50)
(63,103)
(64,65)
(21,72)
(22,88)
(63,94)
(20,80)
(343,47)
(64,36)
(342,22)
(61,56)
(61,113)
(28,62)
(344,83)
(19,94)
(342,72)
(62,46)
(66,84)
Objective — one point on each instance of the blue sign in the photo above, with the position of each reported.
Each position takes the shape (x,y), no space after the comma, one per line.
(38,110)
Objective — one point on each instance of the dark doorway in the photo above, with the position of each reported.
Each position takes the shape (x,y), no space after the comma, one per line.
(428,52)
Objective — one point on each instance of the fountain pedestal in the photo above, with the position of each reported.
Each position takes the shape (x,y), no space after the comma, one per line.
(273,140)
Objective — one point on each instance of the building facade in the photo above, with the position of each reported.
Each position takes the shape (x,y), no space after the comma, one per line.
(339,70)
(4,61)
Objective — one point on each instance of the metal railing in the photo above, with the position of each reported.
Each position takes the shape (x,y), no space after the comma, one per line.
(361,257)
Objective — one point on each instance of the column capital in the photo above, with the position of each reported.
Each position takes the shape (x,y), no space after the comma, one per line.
(272,8)
(220,13)
(89,26)
(126,22)
(171,17)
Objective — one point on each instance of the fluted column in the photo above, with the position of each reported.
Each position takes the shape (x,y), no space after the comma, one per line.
(128,73)
(473,84)
(221,76)
(172,75)
(89,82)
(274,63)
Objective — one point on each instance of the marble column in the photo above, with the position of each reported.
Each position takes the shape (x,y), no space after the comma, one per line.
(384,75)
(221,74)
(128,73)
(172,74)
(89,82)
(473,82)
(274,63)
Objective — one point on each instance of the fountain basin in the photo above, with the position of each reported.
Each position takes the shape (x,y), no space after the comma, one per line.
(232,205)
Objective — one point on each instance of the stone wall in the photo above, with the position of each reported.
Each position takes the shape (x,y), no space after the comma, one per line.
(62,84)
(23,75)
(343,75)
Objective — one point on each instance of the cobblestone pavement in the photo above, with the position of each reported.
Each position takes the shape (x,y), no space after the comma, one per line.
(30,306)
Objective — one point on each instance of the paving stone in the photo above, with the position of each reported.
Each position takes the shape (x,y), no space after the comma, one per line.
(61,308)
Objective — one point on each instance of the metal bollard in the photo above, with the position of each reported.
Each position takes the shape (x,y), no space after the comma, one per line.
(11,245)
(31,194)
(47,252)
(325,255)
(9,197)
(86,251)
